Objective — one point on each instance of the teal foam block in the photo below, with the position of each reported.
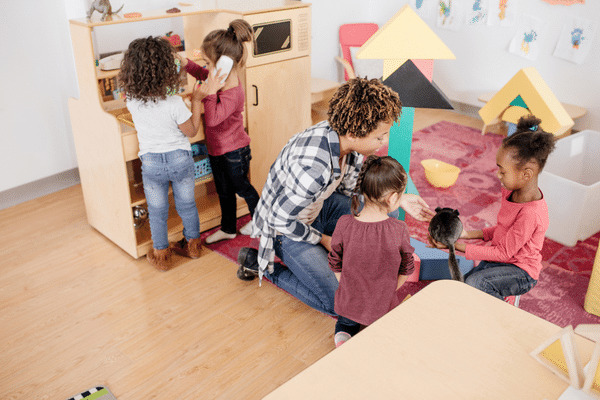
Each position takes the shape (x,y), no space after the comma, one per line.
(399,147)
(434,262)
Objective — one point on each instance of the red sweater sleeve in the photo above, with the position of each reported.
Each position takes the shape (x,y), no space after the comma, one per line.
(335,255)
(196,71)
(509,244)
(217,107)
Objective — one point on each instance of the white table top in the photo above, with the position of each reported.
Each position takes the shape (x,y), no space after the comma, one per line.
(449,341)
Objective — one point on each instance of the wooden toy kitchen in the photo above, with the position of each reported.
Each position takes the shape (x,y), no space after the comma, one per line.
(276,79)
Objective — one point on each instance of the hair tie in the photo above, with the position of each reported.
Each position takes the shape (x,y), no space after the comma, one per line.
(230,30)
(533,128)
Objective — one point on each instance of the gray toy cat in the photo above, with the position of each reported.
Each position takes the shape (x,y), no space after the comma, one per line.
(445,227)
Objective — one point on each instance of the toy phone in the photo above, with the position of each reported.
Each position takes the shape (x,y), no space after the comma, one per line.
(225,63)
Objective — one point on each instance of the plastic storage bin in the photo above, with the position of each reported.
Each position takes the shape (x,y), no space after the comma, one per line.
(570,182)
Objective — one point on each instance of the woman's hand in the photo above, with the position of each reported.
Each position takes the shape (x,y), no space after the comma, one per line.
(416,207)
(326,242)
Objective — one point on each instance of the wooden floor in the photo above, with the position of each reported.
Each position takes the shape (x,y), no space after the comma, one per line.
(76,311)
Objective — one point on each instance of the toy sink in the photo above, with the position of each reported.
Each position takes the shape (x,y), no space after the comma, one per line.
(439,173)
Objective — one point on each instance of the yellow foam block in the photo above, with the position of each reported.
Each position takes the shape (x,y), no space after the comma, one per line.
(540,100)
(592,297)
(405,36)
(513,113)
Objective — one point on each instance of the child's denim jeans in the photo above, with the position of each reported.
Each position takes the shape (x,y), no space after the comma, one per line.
(158,169)
(499,279)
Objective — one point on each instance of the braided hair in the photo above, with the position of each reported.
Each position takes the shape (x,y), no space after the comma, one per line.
(360,104)
(378,177)
(530,142)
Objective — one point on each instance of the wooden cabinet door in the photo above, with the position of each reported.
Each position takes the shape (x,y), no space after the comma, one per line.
(278,107)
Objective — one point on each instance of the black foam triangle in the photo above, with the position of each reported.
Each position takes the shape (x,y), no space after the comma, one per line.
(415,90)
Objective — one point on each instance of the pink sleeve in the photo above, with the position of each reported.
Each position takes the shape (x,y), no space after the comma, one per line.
(488,233)
(506,247)
(217,109)
(407,266)
(196,71)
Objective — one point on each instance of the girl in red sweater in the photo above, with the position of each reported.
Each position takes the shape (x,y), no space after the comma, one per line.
(513,261)
(227,142)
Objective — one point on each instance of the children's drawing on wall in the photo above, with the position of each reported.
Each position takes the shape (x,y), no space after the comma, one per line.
(526,42)
(424,8)
(576,39)
(565,2)
(449,14)
(477,14)
(502,12)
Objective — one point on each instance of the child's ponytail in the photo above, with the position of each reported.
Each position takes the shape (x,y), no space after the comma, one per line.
(229,42)
(530,142)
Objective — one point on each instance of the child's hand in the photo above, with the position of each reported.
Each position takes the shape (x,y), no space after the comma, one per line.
(212,84)
(433,243)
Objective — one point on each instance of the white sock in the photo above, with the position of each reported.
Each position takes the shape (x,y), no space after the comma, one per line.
(219,235)
(247,229)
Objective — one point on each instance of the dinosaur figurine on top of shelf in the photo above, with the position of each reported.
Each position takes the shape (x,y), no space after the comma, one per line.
(103,7)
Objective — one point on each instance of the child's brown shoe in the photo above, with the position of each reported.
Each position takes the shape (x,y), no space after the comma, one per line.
(191,249)
(160,259)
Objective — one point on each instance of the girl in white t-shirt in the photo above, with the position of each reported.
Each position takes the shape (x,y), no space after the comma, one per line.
(150,76)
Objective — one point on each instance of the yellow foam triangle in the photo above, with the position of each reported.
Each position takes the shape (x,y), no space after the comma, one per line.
(405,36)
(554,354)
(540,100)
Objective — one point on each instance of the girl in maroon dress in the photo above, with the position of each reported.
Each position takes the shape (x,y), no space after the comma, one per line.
(370,253)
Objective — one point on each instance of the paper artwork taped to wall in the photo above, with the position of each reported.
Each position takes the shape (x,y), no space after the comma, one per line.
(565,2)
(477,14)
(424,8)
(449,14)
(575,41)
(503,12)
(527,39)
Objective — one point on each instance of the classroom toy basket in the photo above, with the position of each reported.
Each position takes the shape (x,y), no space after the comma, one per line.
(202,169)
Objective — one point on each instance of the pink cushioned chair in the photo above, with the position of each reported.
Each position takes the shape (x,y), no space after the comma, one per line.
(353,35)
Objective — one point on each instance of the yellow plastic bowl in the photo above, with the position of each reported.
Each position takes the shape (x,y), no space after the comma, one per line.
(439,173)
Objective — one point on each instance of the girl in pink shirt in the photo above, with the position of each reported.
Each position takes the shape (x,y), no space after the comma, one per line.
(513,261)
(227,142)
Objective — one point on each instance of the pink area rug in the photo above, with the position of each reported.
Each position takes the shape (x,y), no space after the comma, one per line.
(559,295)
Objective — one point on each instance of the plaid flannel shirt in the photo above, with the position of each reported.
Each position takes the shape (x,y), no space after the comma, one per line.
(303,170)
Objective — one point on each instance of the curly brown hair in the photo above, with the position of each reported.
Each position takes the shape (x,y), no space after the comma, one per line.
(378,177)
(360,104)
(229,42)
(530,142)
(149,70)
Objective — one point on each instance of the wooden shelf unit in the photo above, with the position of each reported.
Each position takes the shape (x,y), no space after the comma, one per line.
(106,147)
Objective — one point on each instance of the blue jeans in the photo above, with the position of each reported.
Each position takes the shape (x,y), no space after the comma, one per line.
(158,169)
(344,324)
(306,274)
(230,172)
(500,279)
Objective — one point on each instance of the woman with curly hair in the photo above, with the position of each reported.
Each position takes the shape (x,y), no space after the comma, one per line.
(150,78)
(309,188)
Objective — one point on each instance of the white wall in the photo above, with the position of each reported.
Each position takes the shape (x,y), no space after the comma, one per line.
(483,62)
(38,74)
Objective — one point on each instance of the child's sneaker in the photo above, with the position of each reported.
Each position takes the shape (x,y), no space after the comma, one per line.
(512,300)
(248,261)
(340,338)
